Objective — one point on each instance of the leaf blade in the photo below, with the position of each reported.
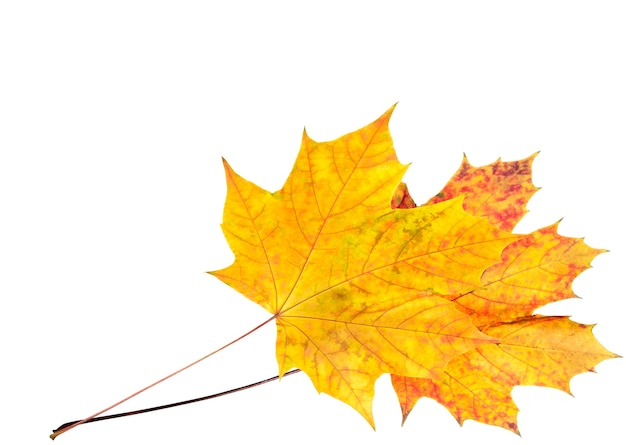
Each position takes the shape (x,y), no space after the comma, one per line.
(337,261)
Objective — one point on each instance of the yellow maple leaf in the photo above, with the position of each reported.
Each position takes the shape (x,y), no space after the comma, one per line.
(356,287)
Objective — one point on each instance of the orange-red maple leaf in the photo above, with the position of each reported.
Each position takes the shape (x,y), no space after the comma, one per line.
(535,270)
(355,287)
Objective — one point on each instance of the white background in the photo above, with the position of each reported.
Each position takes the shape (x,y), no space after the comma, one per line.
(113,119)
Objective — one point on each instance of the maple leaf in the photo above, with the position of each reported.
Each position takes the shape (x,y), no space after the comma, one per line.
(535,270)
(360,281)
(355,287)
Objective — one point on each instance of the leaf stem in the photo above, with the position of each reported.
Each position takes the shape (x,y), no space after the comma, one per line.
(173,405)
(67,427)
